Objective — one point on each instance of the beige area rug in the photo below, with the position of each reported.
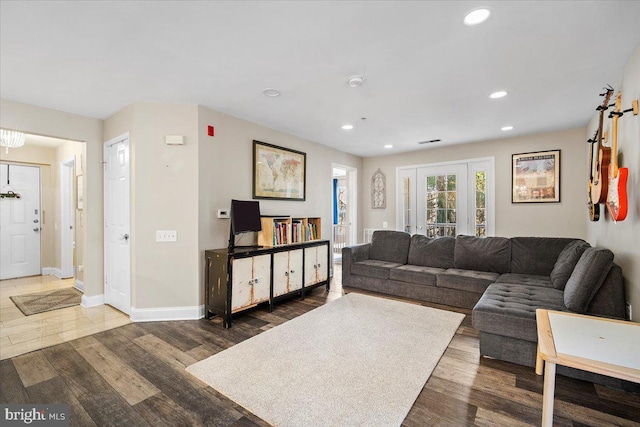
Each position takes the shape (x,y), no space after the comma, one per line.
(40,302)
(356,361)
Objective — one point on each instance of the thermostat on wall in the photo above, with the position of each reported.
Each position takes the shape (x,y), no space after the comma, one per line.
(174,140)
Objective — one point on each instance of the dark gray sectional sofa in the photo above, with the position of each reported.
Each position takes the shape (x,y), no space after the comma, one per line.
(504,280)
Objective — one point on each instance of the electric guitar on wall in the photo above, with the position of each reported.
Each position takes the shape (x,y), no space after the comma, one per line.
(602,156)
(617,194)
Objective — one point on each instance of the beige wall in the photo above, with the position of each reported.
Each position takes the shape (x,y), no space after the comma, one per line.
(164,196)
(182,187)
(552,219)
(623,238)
(43,157)
(225,163)
(43,121)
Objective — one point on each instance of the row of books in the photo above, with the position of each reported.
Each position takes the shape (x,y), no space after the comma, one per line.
(296,232)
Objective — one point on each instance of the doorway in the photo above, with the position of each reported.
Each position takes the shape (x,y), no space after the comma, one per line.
(344,208)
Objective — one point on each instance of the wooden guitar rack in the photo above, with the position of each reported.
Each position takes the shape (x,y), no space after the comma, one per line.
(634,108)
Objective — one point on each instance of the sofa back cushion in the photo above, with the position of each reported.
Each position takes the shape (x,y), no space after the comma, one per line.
(390,246)
(431,252)
(536,255)
(566,263)
(482,254)
(586,279)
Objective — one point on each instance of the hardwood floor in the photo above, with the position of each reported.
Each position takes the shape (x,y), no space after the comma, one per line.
(135,375)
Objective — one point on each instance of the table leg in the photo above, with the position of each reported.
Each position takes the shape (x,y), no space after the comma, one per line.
(539,362)
(548,392)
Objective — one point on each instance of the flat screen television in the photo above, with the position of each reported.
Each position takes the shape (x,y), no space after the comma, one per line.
(245,217)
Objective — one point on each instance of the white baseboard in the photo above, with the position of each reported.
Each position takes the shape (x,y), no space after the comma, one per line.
(79,285)
(51,271)
(92,301)
(54,271)
(167,313)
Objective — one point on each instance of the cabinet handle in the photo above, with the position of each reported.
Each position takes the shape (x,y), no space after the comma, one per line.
(255,280)
(292,271)
(286,273)
(319,265)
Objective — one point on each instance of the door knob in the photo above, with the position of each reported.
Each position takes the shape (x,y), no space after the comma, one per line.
(35,221)
(125,236)
(36,229)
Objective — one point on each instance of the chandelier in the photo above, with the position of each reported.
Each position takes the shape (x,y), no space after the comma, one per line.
(11,139)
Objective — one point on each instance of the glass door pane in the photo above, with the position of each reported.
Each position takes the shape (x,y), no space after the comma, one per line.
(442,200)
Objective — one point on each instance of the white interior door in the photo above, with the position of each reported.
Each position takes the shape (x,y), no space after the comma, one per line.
(117,265)
(442,200)
(20,222)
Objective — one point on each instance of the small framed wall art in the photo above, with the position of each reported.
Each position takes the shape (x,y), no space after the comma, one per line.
(278,172)
(535,177)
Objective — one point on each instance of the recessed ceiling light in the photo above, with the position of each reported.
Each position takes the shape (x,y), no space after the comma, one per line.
(388,146)
(347,127)
(498,94)
(477,16)
(270,92)
(355,81)
(505,128)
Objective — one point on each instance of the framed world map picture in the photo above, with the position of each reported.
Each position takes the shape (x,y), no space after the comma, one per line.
(278,172)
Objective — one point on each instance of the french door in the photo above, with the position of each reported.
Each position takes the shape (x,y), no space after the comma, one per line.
(442,201)
(446,199)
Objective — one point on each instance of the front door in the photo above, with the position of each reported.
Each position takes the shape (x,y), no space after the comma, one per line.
(20,221)
(117,254)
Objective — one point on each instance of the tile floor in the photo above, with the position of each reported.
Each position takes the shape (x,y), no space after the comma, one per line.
(21,334)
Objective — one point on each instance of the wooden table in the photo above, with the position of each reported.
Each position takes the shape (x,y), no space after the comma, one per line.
(593,344)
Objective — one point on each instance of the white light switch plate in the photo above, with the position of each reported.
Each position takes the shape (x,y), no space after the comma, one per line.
(385,224)
(166,235)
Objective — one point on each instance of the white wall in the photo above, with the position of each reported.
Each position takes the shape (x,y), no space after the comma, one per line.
(43,121)
(623,238)
(564,219)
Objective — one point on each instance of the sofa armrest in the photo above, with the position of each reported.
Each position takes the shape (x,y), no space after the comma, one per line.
(353,254)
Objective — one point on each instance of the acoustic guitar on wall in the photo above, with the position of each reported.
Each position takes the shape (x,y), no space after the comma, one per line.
(617,194)
(599,184)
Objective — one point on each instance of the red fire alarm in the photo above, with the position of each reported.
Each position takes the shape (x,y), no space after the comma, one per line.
(210,130)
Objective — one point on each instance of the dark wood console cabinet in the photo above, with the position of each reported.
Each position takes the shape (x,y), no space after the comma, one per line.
(241,279)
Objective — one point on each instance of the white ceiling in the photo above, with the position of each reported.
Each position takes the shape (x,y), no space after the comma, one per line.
(426,75)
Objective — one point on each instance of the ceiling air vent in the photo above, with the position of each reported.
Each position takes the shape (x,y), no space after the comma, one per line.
(429,141)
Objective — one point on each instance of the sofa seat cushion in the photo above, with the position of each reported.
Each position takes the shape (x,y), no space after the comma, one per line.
(373,268)
(466,280)
(415,274)
(510,310)
(526,279)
